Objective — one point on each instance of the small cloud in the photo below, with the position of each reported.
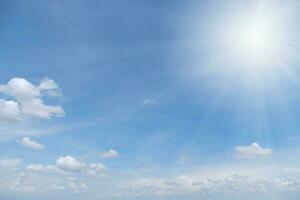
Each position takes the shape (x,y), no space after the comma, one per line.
(50,87)
(31,144)
(253,151)
(109,154)
(148,102)
(69,163)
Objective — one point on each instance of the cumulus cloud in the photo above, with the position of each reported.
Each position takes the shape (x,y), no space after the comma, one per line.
(31,144)
(9,111)
(111,153)
(70,163)
(254,151)
(28,100)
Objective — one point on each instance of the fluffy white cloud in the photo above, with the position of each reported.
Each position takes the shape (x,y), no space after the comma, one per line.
(31,144)
(28,100)
(70,163)
(254,151)
(111,153)
(9,111)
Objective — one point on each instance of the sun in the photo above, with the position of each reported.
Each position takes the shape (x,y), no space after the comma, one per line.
(253,36)
(248,40)
(256,39)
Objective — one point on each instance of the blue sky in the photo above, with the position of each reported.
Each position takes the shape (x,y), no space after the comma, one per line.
(149,100)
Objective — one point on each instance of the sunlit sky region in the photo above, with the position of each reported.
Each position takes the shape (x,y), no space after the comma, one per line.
(150,100)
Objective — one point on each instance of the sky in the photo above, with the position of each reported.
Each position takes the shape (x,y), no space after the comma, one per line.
(143,100)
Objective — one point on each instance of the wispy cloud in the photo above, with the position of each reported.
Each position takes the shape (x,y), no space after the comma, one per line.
(148,102)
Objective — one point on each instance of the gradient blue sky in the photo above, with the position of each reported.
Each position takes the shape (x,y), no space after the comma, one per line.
(154,95)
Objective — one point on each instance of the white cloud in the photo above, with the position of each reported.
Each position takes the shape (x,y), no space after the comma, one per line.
(29,143)
(254,151)
(95,169)
(9,111)
(111,153)
(69,163)
(28,100)
(47,84)
(42,168)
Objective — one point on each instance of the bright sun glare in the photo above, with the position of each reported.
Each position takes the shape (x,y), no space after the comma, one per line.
(249,39)
(256,40)
(254,37)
